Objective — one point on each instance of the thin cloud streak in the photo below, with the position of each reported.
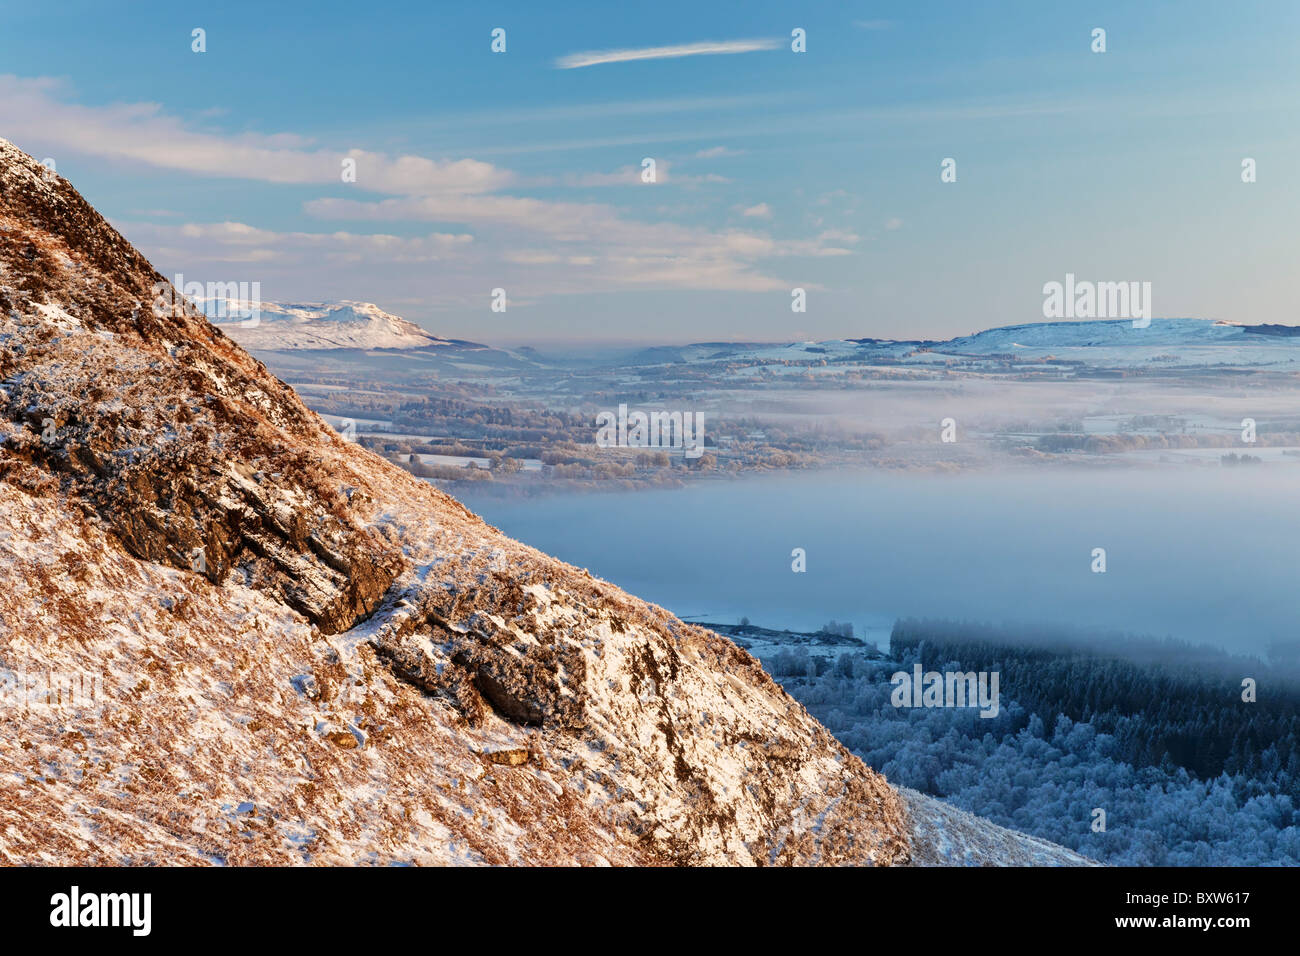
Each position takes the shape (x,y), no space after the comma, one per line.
(707,48)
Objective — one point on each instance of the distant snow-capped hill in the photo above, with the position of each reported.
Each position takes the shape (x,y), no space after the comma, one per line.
(1119,344)
(335,325)
(1100,343)
(1097,334)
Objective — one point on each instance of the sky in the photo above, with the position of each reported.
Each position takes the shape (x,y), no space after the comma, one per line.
(774,170)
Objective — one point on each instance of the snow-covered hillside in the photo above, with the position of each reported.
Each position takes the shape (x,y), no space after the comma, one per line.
(336,325)
(943,835)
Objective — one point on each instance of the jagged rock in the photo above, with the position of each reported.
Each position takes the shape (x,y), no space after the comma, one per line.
(343,738)
(509,756)
(158,420)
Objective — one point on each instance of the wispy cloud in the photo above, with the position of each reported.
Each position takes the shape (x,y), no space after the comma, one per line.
(603,254)
(706,48)
(631,176)
(240,242)
(561,222)
(873,24)
(552,247)
(35,110)
(760,211)
(715,152)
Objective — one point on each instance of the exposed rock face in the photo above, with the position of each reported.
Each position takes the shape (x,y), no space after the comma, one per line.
(375,672)
(181,441)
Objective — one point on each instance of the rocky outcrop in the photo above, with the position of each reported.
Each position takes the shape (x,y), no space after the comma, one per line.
(178,439)
(273,617)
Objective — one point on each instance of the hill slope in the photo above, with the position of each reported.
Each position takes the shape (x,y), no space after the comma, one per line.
(231,636)
(943,835)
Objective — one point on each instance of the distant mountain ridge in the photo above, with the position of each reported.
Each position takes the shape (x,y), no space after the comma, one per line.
(1095,333)
(365,326)
(1112,343)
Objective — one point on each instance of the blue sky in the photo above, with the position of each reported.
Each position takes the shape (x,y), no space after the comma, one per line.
(478,170)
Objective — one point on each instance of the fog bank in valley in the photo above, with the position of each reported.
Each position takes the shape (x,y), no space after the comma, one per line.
(1202,554)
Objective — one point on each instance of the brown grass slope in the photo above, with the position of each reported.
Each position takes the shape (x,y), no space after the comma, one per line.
(365,671)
